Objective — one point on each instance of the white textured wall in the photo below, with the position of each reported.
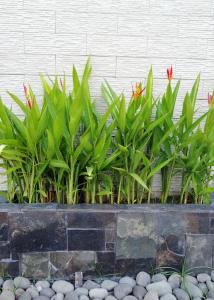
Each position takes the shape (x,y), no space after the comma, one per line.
(123,37)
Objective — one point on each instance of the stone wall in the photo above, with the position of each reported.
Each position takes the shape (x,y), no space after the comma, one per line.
(49,242)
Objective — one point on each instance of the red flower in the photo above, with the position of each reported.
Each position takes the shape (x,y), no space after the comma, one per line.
(61,83)
(27,96)
(169,73)
(30,103)
(138,91)
(210,98)
(25,90)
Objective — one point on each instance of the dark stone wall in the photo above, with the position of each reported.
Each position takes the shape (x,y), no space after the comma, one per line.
(43,241)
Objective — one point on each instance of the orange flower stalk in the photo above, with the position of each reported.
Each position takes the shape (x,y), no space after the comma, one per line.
(61,83)
(210,99)
(27,96)
(169,73)
(138,91)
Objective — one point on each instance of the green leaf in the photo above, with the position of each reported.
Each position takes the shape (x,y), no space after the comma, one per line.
(149,85)
(122,114)
(19,103)
(76,82)
(54,163)
(194,91)
(139,180)
(2,148)
(159,167)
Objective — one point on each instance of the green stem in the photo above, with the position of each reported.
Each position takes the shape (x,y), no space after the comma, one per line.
(133,191)
(128,190)
(31,190)
(94,191)
(119,191)
(169,181)
(70,199)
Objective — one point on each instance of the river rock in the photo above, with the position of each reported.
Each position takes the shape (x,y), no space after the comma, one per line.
(33,291)
(62,286)
(139,292)
(210,285)
(7,295)
(89,284)
(83,297)
(143,279)
(122,290)
(25,296)
(48,292)
(58,296)
(128,280)
(212,275)
(81,291)
(21,282)
(71,296)
(192,289)
(203,277)
(42,284)
(130,298)
(210,293)
(99,293)
(109,284)
(151,295)
(181,294)
(161,287)
(19,292)
(191,279)
(110,297)
(158,277)
(8,285)
(41,298)
(203,287)
(174,280)
(168,297)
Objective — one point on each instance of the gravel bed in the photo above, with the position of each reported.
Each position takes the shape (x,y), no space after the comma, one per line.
(143,286)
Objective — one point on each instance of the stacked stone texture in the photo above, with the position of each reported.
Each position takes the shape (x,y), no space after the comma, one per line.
(49,242)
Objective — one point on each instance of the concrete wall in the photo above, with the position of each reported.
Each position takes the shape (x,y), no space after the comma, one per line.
(48,242)
(123,37)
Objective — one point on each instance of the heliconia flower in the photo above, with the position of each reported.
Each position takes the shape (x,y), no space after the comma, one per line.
(27,96)
(30,103)
(210,98)
(25,91)
(61,83)
(138,91)
(169,73)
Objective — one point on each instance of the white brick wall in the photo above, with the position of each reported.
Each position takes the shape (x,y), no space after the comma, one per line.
(123,38)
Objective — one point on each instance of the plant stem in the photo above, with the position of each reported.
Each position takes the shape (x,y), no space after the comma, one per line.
(31,190)
(119,191)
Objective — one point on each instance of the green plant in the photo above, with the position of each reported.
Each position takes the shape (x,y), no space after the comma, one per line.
(183,274)
(66,151)
(135,137)
(198,159)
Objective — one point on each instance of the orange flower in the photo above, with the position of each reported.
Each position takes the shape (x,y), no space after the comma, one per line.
(210,99)
(27,96)
(138,91)
(169,73)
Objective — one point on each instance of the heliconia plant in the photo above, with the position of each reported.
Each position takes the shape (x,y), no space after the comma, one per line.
(68,152)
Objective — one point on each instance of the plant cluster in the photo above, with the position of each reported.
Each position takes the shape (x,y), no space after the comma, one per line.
(66,151)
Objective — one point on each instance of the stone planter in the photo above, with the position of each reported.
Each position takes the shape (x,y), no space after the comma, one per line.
(43,241)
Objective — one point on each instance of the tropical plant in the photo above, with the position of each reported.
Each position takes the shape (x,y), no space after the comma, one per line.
(135,137)
(66,151)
